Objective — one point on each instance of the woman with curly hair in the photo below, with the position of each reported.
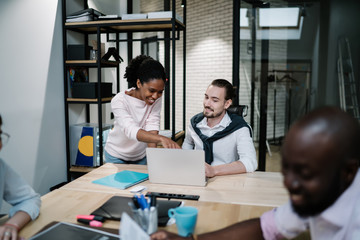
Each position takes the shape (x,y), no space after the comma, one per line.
(137,113)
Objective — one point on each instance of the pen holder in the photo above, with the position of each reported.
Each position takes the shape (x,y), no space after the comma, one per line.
(147,219)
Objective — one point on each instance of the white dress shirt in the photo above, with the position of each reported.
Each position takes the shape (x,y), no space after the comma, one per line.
(340,221)
(237,146)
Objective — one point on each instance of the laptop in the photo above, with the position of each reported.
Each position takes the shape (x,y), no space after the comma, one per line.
(176,166)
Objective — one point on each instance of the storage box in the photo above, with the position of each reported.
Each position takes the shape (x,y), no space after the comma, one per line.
(78,52)
(134,16)
(84,143)
(164,14)
(90,90)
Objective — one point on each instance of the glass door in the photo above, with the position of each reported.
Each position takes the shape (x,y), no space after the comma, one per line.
(277,45)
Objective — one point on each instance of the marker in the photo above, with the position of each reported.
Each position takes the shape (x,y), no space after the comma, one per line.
(91,217)
(136,202)
(92,223)
(153,201)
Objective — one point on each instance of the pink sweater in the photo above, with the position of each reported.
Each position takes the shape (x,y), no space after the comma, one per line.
(131,114)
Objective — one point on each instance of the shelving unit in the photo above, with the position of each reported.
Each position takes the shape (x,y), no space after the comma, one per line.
(166,25)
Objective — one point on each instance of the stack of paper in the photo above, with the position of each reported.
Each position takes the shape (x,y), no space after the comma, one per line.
(89,14)
(108,17)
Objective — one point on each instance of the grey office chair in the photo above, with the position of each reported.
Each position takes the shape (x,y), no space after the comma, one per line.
(241,110)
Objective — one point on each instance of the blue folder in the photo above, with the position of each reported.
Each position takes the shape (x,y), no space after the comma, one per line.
(123,179)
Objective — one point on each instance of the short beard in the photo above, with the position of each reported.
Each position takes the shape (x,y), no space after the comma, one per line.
(211,115)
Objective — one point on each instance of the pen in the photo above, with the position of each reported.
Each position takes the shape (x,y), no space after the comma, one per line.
(91,217)
(142,202)
(92,223)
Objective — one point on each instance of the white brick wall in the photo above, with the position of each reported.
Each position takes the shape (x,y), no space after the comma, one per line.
(208,50)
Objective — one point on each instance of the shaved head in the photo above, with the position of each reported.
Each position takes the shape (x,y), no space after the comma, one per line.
(333,125)
(320,158)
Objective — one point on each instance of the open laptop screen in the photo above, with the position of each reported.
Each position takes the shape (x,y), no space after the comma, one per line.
(176,166)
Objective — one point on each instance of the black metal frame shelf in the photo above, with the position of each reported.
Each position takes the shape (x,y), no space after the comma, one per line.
(171,28)
(91,63)
(139,25)
(88,100)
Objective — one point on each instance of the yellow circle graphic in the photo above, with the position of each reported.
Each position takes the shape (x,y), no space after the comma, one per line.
(86,146)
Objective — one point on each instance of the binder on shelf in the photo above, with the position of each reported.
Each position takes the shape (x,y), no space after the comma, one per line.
(123,179)
(84,143)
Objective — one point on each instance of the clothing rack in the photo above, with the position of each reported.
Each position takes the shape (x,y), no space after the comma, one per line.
(289,80)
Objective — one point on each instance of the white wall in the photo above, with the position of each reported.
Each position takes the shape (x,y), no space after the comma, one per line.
(31,90)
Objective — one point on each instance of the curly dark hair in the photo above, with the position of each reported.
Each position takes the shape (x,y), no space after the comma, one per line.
(145,69)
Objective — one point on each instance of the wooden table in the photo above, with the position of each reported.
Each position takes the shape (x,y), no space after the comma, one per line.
(258,188)
(64,205)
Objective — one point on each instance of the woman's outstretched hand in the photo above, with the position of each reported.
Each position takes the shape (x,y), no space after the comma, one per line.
(168,143)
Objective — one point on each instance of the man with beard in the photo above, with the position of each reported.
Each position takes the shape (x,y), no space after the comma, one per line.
(320,164)
(226,138)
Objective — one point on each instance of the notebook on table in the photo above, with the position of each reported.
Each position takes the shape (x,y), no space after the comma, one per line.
(123,179)
(176,166)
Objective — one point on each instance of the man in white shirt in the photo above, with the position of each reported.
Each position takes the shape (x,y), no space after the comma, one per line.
(320,165)
(226,138)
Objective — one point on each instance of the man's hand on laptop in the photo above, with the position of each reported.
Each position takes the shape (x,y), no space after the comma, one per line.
(209,170)
(168,143)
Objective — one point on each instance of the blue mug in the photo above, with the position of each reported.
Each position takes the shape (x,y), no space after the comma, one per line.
(185,218)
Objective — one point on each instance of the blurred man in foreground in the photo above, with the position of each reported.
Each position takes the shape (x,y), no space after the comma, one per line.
(320,164)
